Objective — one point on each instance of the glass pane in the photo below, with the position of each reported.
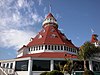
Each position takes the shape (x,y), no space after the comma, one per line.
(41,65)
(78,65)
(58,64)
(96,66)
(11,65)
(21,65)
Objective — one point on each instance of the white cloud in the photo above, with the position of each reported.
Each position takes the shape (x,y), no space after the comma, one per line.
(20,3)
(36,18)
(15,15)
(40,2)
(15,38)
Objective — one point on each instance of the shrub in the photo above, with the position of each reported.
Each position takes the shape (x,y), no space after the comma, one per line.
(43,73)
(55,72)
(88,72)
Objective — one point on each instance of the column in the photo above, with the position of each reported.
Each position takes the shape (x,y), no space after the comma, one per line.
(30,67)
(51,65)
(90,65)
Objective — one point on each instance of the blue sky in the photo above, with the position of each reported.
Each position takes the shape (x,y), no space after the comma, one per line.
(22,19)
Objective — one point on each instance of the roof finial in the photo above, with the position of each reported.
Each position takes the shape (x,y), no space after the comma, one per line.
(50,8)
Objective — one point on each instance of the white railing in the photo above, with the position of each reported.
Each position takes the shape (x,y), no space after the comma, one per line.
(2,72)
(7,71)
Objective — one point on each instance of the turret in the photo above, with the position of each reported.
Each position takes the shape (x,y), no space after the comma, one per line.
(50,20)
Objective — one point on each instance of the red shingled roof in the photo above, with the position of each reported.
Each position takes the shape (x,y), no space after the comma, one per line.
(94,38)
(50,55)
(50,35)
(50,15)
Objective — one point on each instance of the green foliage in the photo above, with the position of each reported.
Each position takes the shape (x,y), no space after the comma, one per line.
(86,51)
(68,66)
(55,72)
(43,73)
(88,72)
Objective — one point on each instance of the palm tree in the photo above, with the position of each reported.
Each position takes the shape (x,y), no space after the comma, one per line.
(68,67)
(86,51)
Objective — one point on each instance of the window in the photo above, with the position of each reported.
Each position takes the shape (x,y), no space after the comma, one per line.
(36,47)
(49,47)
(53,36)
(55,47)
(30,49)
(7,66)
(64,47)
(41,65)
(40,36)
(3,65)
(67,48)
(57,63)
(96,66)
(39,47)
(11,65)
(21,65)
(79,65)
(43,30)
(45,47)
(42,47)
(61,47)
(52,30)
(58,47)
(52,47)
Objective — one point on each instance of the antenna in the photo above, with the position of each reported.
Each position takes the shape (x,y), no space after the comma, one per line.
(50,8)
(92,30)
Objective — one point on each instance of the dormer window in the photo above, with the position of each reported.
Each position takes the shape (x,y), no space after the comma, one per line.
(40,36)
(53,36)
(52,30)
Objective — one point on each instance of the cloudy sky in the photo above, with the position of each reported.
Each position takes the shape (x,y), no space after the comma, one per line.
(22,19)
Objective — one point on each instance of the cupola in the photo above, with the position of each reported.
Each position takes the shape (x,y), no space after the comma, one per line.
(50,21)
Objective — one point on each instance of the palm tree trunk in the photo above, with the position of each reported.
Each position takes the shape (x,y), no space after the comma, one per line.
(85,68)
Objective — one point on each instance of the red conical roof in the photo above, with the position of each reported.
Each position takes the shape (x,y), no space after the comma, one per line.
(94,38)
(50,15)
(50,35)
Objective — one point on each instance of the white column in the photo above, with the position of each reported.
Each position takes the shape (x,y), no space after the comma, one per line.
(51,65)
(30,67)
(90,65)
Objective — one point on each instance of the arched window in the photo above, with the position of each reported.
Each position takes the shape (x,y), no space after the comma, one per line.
(52,47)
(45,47)
(58,47)
(61,47)
(39,47)
(49,47)
(55,47)
(42,47)
(64,47)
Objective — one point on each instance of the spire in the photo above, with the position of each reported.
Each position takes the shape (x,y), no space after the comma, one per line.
(50,8)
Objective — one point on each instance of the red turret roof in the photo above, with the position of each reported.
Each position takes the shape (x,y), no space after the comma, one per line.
(94,38)
(52,36)
(50,15)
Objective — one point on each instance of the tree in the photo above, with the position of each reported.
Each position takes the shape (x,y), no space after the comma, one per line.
(86,51)
(68,66)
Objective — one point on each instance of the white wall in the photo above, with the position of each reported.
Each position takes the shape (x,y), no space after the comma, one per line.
(22,72)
